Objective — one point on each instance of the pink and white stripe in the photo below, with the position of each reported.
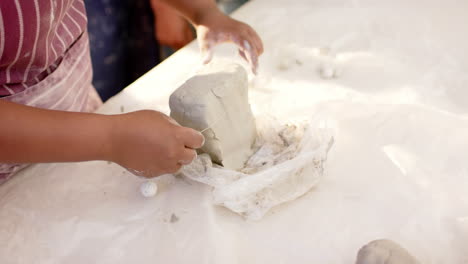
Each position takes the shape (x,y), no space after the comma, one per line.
(35,34)
(44,58)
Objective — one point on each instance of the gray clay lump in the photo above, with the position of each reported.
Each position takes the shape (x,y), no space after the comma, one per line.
(384,252)
(216,102)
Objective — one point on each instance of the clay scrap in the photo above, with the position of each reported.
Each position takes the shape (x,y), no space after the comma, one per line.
(384,252)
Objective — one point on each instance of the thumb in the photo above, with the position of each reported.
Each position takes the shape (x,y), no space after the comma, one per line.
(192,138)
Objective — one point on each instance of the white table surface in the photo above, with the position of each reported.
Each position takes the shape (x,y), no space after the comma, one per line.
(398,169)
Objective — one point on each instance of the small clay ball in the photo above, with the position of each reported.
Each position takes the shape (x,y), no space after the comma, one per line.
(149,189)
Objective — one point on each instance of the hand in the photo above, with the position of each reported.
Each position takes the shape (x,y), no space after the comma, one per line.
(149,143)
(171,28)
(214,27)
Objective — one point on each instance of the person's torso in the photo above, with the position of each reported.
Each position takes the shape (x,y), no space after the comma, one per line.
(44,58)
(34,35)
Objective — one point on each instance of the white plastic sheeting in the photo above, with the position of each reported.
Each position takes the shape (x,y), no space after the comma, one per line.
(288,160)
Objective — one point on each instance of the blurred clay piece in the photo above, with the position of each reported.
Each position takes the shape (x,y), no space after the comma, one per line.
(215,102)
(148,189)
(384,251)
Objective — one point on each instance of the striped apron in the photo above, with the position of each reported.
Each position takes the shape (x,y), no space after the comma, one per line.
(45,59)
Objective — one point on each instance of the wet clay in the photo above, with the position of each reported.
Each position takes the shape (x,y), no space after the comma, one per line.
(384,252)
(215,101)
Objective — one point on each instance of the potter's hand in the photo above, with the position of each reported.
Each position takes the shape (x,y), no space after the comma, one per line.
(149,143)
(214,27)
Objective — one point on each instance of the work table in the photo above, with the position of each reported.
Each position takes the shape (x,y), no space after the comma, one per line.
(396,100)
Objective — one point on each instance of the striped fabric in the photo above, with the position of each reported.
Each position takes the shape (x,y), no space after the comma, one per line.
(44,58)
(34,36)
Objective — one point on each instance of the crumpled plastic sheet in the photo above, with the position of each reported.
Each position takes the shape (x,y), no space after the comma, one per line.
(288,160)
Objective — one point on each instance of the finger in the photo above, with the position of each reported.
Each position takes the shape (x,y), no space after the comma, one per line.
(188,156)
(207,57)
(255,48)
(252,57)
(256,40)
(206,50)
(254,63)
(144,174)
(244,48)
(136,172)
(191,138)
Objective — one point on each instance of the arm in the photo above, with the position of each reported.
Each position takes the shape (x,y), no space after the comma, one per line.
(145,141)
(193,10)
(31,135)
(171,28)
(214,27)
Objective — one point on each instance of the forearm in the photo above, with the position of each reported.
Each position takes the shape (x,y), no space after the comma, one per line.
(214,27)
(33,135)
(193,10)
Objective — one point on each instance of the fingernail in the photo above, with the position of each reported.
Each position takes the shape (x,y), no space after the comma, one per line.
(247,45)
(203,142)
